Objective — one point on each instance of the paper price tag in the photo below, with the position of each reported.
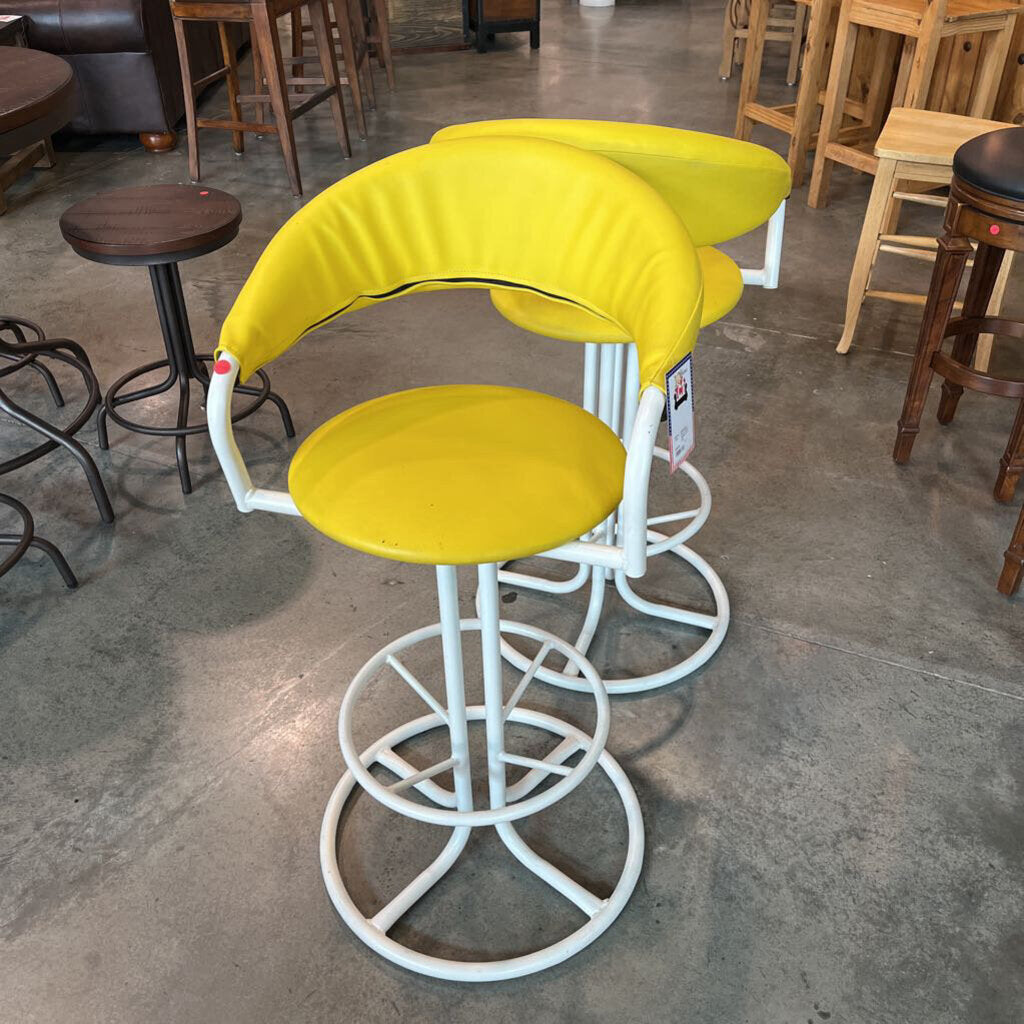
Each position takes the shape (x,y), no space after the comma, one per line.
(679,394)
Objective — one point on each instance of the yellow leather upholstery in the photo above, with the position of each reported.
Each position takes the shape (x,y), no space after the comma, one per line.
(723,286)
(720,188)
(404,224)
(456,475)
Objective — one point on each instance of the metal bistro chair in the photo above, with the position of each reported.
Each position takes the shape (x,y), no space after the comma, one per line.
(720,188)
(455,476)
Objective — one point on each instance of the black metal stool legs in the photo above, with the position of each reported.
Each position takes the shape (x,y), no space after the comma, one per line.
(15,327)
(25,353)
(183,366)
(21,542)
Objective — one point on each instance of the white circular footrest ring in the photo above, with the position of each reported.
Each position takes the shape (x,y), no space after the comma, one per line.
(699,515)
(716,624)
(373,931)
(510,812)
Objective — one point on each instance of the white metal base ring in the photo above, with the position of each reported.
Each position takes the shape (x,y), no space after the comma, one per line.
(717,625)
(600,912)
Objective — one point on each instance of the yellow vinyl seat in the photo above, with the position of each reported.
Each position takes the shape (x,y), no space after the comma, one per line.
(723,286)
(458,475)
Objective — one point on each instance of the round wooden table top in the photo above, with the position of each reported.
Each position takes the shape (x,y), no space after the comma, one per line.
(37,96)
(151,224)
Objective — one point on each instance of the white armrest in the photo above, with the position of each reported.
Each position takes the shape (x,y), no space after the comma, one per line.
(218,419)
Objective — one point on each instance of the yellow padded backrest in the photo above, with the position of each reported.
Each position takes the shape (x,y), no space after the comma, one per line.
(407,223)
(721,188)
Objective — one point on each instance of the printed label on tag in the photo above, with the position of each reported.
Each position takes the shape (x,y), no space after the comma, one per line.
(679,395)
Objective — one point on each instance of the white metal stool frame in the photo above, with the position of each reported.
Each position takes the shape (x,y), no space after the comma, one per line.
(627,558)
(610,386)
(768,275)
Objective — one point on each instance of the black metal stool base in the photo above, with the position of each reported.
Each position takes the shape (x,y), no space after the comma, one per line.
(21,542)
(183,366)
(26,353)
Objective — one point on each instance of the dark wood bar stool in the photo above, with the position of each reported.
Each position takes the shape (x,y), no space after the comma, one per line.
(355,69)
(158,226)
(986,205)
(262,19)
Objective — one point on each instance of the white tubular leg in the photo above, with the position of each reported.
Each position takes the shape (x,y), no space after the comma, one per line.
(640,452)
(218,419)
(768,275)
(454,682)
(494,699)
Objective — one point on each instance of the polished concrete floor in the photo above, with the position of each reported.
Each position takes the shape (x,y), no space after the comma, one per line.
(833,804)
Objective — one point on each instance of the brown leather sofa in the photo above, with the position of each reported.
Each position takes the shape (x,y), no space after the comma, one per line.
(125,61)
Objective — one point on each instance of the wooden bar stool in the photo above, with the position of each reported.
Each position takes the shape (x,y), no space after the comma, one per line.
(785,24)
(986,206)
(352,46)
(915,146)
(262,19)
(799,120)
(378,35)
(921,25)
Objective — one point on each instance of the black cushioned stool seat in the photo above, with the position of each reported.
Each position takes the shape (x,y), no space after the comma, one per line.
(993,162)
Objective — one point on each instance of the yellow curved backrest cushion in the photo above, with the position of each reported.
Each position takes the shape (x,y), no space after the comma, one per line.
(721,188)
(407,224)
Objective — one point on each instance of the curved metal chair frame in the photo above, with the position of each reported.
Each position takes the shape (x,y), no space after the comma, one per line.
(26,539)
(24,353)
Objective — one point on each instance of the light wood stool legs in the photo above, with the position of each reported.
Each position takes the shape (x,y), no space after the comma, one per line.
(835,97)
(867,249)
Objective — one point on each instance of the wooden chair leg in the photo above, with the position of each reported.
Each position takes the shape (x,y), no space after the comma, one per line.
(876,107)
(231,63)
(987,261)
(1011,465)
(994,48)
(383,33)
(757,27)
(867,249)
(361,46)
(298,45)
(805,117)
(269,42)
(950,261)
(835,101)
(926,49)
(983,355)
(728,61)
(189,95)
(329,67)
(1013,561)
(48,158)
(258,86)
(348,53)
(796,44)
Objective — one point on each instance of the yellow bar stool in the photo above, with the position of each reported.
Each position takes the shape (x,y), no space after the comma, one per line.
(720,188)
(457,476)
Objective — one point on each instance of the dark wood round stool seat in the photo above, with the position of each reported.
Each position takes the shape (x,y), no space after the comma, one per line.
(994,163)
(152,224)
(37,96)
(158,226)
